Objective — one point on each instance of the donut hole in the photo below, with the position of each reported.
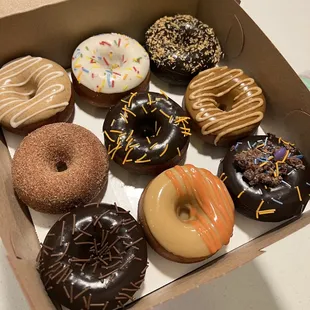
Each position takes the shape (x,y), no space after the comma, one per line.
(61,166)
(146,127)
(110,61)
(225,103)
(184,212)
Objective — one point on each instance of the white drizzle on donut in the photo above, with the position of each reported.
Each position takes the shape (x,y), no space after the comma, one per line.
(18,101)
(246,109)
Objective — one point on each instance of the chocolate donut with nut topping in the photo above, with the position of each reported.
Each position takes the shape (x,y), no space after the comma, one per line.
(181,46)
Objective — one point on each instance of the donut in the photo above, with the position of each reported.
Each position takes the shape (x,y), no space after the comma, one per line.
(225,105)
(187,214)
(147,133)
(107,67)
(94,257)
(34,92)
(59,166)
(180,46)
(267,177)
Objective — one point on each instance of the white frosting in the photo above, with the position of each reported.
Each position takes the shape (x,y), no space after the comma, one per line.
(17,103)
(110,63)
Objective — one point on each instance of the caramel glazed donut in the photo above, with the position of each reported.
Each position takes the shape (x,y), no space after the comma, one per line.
(93,258)
(267,177)
(180,46)
(187,214)
(59,166)
(34,92)
(225,105)
(147,133)
(107,67)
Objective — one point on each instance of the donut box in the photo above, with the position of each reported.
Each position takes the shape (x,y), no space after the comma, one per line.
(52,30)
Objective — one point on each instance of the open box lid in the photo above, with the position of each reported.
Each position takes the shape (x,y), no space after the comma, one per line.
(53,29)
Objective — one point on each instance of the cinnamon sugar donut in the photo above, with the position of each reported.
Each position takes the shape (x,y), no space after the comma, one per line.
(58,167)
(187,214)
(225,105)
(34,92)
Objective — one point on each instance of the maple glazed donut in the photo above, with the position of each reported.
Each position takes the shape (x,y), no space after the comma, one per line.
(34,92)
(225,105)
(267,177)
(107,67)
(147,133)
(187,214)
(180,46)
(59,166)
(93,258)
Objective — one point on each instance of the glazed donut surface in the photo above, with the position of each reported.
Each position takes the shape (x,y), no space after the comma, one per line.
(187,214)
(225,104)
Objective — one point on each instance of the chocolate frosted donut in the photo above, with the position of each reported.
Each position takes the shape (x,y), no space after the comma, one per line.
(267,177)
(180,46)
(147,133)
(93,258)
(58,167)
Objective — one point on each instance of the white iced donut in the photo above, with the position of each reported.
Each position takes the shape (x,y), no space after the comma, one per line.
(109,64)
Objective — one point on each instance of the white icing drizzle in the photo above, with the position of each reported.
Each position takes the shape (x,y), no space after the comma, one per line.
(247,108)
(110,63)
(19,101)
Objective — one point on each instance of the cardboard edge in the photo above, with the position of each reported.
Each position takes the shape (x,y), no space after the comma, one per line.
(222,265)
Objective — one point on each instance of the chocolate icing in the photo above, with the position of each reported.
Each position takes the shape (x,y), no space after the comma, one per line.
(150,129)
(180,46)
(258,191)
(93,257)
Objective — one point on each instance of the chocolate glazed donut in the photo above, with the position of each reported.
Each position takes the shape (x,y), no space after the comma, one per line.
(180,46)
(267,177)
(94,257)
(147,133)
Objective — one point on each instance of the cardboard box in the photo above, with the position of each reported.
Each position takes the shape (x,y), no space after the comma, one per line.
(53,28)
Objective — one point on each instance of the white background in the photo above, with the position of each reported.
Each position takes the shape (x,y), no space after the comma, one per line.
(279,279)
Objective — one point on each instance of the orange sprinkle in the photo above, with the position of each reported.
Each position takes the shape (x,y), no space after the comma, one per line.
(77,66)
(222,175)
(299,194)
(179,153)
(153,110)
(128,144)
(126,156)
(112,123)
(125,76)
(115,131)
(263,144)
(124,101)
(240,194)
(148,140)
(107,135)
(139,76)
(101,86)
(129,135)
(263,164)
(257,210)
(164,151)
(141,158)
(124,117)
(130,99)
(134,145)
(128,111)
(79,76)
(163,93)
(152,146)
(225,179)
(109,148)
(285,157)
(144,109)
(165,114)
(143,161)
(158,131)
(269,211)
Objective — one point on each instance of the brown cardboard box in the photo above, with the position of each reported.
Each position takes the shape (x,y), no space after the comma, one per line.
(53,28)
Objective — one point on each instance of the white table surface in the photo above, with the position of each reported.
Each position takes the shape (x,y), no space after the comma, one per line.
(280,278)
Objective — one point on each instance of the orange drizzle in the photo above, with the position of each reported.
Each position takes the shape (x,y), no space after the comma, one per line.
(214,203)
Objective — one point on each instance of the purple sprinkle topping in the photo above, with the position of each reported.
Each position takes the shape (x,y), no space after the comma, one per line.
(279,154)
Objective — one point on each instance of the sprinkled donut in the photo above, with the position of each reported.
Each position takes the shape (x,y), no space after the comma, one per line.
(180,46)
(107,67)
(147,133)
(34,92)
(187,214)
(58,167)
(93,258)
(267,177)
(225,105)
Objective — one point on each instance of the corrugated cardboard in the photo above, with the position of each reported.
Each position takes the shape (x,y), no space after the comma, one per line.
(54,28)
